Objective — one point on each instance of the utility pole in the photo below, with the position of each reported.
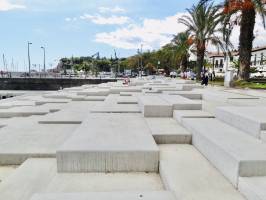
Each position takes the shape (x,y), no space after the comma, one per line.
(29,43)
(44,55)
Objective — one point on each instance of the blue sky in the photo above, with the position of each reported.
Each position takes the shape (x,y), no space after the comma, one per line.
(83,27)
(80,27)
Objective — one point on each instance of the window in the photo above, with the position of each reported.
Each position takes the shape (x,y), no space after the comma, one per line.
(255,59)
(261,59)
(216,64)
(221,63)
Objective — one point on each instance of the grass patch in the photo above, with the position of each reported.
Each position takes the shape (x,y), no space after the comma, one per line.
(251,85)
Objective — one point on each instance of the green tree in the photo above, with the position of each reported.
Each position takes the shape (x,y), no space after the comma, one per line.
(183,43)
(202,26)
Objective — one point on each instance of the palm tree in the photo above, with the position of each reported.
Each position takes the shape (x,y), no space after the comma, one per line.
(202,26)
(182,43)
(248,10)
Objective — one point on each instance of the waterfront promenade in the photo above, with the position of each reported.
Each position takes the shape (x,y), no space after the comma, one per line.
(154,139)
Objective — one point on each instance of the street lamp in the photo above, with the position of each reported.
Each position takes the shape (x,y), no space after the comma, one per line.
(29,43)
(44,67)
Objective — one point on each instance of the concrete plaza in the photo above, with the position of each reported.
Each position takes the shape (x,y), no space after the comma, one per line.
(154,139)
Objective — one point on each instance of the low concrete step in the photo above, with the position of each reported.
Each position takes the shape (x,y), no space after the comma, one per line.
(182,103)
(110,143)
(127,100)
(253,188)
(168,131)
(179,115)
(110,105)
(24,111)
(190,176)
(161,195)
(229,149)
(155,106)
(95,92)
(187,94)
(40,176)
(31,177)
(251,120)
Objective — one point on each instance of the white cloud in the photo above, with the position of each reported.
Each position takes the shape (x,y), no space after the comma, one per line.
(115,9)
(6,5)
(152,33)
(99,19)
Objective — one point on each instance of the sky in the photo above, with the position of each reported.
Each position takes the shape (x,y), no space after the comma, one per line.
(83,27)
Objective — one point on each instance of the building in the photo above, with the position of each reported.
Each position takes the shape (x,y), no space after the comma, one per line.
(217,60)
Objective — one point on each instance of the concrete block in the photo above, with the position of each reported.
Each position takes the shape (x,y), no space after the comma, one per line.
(111,105)
(121,143)
(95,92)
(187,94)
(263,136)
(88,98)
(168,131)
(25,138)
(127,100)
(190,176)
(117,90)
(251,120)
(227,148)
(6,171)
(181,103)
(179,115)
(154,106)
(24,111)
(31,177)
(253,188)
(153,195)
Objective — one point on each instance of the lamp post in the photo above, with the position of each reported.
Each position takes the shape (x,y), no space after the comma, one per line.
(44,67)
(29,43)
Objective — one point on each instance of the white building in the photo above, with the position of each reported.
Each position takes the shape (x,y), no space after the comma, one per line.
(218,61)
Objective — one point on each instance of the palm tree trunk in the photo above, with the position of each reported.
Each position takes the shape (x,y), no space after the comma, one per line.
(184,64)
(200,60)
(245,42)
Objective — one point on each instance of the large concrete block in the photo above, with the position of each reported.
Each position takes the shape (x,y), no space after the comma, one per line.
(179,115)
(154,106)
(182,103)
(251,120)
(109,143)
(253,188)
(190,176)
(187,94)
(95,92)
(153,195)
(24,111)
(111,105)
(117,90)
(127,100)
(25,138)
(168,131)
(227,148)
(31,177)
